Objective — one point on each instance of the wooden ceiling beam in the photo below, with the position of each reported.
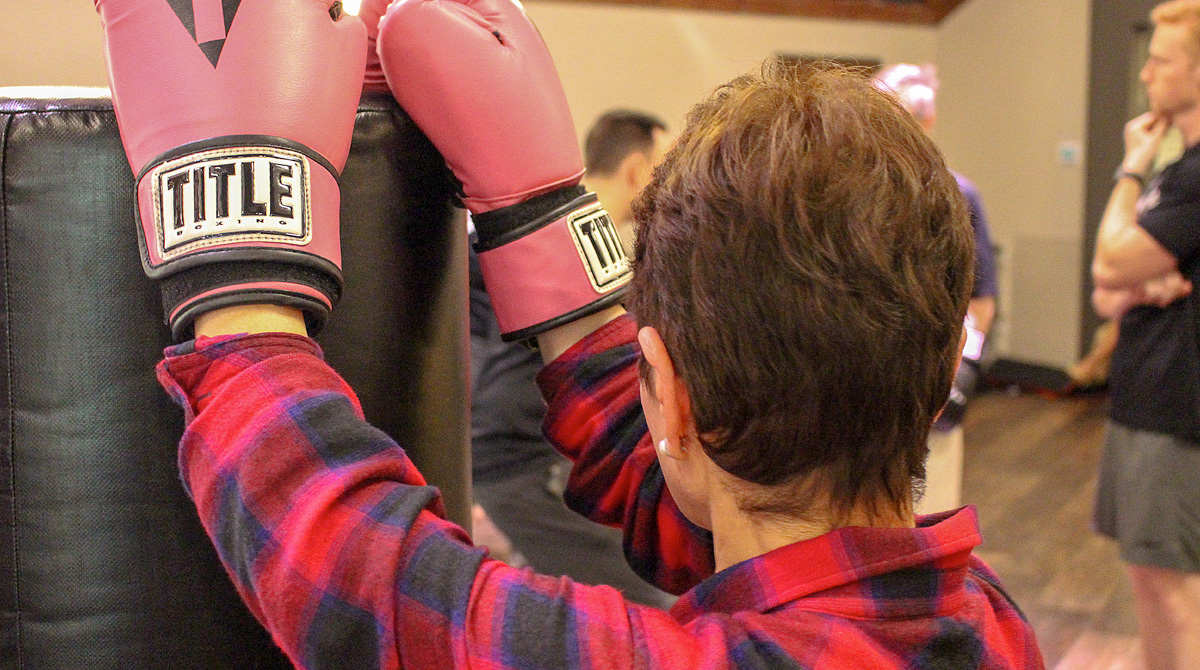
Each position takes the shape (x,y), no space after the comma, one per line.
(926,12)
(940,9)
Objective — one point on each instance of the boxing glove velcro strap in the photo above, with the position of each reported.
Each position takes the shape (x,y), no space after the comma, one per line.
(202,288)
(498,227)
(549,261)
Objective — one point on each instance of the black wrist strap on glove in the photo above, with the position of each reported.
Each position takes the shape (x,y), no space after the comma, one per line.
(501,226)
(550,260)
(179,290)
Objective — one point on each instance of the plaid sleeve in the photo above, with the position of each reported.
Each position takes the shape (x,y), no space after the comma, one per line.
(594,417)
(338,547)
(325,527)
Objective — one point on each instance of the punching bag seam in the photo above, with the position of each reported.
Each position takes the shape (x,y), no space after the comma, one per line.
(16,565)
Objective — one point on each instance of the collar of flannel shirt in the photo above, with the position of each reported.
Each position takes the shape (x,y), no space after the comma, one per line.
(852,572)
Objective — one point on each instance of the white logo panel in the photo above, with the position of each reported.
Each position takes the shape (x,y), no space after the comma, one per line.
(599,247)
(231,195)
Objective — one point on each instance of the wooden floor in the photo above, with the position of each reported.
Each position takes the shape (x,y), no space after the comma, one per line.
(1030,468)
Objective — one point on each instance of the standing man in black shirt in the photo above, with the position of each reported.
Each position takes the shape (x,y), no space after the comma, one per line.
(1147,259)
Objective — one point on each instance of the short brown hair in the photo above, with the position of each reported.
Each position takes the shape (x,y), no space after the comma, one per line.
(1180,12)
(615,135)
(807,259)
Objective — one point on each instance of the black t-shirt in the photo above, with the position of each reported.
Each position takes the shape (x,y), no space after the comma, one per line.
(1155,376)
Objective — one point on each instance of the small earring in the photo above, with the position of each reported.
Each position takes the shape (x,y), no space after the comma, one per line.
(665,450)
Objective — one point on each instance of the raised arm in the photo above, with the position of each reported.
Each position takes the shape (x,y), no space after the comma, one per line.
(325,527)
(473,75)
(1127,255)
(594,416)
(1158,292)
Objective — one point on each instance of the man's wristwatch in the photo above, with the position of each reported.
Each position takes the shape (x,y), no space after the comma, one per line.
(1122,173)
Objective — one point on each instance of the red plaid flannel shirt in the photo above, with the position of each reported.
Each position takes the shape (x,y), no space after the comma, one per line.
(339,547)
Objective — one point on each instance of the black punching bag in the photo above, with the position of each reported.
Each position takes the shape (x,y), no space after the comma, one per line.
(103,562)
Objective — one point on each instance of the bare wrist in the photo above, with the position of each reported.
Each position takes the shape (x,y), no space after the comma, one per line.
(1125,172)
(251,319)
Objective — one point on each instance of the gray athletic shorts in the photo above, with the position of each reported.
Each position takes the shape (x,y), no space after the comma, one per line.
(1148,498)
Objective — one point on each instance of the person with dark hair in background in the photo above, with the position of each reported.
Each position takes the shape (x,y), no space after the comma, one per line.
(518,477)
(800,278)
(916,87)
(1146,263)
(620,152)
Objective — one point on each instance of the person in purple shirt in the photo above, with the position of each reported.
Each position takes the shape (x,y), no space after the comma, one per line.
(916,87)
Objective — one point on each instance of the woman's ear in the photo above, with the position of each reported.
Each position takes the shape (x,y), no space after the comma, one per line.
(668,390)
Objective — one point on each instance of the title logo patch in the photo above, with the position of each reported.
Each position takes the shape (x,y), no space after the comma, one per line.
(208,22)
(599,247)
(230,195)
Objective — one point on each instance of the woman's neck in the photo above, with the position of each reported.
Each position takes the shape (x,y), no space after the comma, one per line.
(739,535)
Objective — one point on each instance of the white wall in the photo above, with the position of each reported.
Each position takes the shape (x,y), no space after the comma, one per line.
(664,60)
(50,42)
(1013,99)
(1013,74)
(1014,93)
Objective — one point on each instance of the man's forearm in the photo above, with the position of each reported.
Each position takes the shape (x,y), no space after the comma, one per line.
(1159,291)
(1113,303)
(1126,255)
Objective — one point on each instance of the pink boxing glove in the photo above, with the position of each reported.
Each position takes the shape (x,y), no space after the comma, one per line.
(477,78)
(236,116)
(370,12)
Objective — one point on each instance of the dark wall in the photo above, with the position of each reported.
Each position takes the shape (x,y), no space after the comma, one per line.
(1116,25)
